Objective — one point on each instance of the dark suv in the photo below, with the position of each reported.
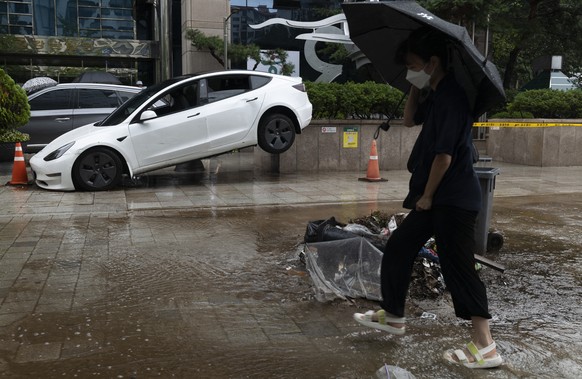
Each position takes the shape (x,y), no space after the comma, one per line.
(56,110)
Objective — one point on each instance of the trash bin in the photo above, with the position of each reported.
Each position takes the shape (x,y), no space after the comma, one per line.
(486,241)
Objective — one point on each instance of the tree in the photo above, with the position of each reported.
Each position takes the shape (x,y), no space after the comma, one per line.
(212,44)
(14,110)
(239,53)
(521,31)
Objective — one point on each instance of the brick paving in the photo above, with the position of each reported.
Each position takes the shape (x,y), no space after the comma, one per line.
(60,255)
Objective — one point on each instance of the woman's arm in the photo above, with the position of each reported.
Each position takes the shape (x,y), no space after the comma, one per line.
(411,106)
(440,165)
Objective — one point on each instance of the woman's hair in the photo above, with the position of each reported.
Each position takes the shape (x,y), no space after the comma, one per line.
(425,43)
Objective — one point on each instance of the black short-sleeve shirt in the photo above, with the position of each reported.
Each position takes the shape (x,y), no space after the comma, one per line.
(447,125)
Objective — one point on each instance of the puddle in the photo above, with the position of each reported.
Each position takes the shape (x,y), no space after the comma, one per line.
(220,294)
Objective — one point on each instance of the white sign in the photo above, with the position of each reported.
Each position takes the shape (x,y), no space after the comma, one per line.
(329,129)
(292,57)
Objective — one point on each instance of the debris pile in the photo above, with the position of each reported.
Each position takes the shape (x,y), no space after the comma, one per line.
(344,260)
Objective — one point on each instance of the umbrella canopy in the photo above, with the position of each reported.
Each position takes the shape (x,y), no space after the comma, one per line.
(97,77)
(379,28)
(36,84)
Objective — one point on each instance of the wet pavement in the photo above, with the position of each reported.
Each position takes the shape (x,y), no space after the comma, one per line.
(197,275)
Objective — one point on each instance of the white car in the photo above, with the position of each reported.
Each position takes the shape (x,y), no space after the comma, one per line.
(179,120)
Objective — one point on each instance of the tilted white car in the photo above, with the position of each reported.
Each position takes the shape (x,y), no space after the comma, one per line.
(179,120)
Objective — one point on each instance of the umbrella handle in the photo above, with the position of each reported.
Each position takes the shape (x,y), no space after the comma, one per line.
(386,125)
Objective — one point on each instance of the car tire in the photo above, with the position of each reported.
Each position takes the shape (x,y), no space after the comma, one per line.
(276,133)
(97,169)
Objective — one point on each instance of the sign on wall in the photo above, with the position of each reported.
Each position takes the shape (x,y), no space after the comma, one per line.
(350,138)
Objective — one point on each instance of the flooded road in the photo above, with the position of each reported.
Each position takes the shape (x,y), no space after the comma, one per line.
(222,293)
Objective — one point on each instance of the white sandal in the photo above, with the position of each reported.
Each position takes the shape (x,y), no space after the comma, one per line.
(479,361)
(381,322)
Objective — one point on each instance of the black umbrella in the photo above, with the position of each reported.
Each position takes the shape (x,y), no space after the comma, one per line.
(97,77)
(378,29)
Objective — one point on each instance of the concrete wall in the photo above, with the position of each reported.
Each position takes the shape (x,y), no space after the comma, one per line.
(536,146)
(316,148)
(207,16)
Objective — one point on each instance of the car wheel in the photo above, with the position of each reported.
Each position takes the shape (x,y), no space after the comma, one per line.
(98,169)
(276,134)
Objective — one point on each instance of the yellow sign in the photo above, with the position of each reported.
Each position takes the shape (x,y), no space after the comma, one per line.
(351,138)
(523,124)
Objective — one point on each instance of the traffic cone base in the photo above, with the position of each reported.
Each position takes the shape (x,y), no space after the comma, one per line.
(373,172)
(19,175)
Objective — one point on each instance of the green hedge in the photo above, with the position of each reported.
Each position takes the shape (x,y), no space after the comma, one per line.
(14,110)
(544,103)
(353,100)
(372,100)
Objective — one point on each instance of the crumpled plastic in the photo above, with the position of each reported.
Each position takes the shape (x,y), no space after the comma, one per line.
(344,268)
(344,261)
(393,372)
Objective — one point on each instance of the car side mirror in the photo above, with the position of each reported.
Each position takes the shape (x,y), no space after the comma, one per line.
(148,115)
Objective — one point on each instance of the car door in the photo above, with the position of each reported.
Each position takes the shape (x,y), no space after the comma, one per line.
(51,115)
(93,104)
(177,134)
(231,110)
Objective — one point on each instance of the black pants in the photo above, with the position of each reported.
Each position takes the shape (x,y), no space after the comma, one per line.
(454,232)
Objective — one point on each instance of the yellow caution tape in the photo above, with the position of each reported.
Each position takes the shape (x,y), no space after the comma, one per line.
(524,124)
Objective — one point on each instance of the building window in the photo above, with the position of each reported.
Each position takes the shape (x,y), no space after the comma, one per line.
(82,18)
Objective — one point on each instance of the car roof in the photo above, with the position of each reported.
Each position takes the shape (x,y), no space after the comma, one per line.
(95,85)
(115,87)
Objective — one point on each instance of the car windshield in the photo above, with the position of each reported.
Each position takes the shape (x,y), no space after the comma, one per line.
(126,109)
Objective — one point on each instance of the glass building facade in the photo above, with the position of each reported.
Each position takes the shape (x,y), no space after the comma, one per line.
(70,18)
(62,38)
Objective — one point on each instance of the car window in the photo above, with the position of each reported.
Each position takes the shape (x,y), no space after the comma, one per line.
(97,98)
(128,107)
(124,96)
(177,100)
(222,87)
(259,81)
(52,100)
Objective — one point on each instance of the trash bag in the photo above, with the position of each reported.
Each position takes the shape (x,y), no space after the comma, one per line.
(344,261)
(393,372)
(326,230)
(332,230)
(344,268)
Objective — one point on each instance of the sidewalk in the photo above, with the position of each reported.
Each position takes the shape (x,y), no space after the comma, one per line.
(199,277)
(231,182)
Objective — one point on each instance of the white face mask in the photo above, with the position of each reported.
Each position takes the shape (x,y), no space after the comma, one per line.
(419,79)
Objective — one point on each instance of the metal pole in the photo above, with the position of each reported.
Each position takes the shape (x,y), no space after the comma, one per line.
(225,37)
(225,24)
(165,39)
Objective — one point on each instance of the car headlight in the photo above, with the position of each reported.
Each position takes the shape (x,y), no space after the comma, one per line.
(58,152)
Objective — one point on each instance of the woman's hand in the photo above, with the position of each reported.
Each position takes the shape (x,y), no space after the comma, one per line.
(424,204)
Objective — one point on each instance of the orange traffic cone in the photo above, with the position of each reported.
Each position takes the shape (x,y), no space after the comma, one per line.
(19,175)
(373,173)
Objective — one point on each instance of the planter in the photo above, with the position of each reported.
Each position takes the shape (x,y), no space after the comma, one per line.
(342,145)
(552,146)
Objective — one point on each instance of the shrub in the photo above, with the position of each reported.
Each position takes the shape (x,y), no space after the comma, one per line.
(574,100)
(547,103)
(353,100)
(507,114)
(14,110)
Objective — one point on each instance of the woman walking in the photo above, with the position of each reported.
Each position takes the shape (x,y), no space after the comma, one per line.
(444,198)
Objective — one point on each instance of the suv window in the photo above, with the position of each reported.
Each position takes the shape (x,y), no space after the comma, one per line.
(52,100)
(124,96)
(98,98)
